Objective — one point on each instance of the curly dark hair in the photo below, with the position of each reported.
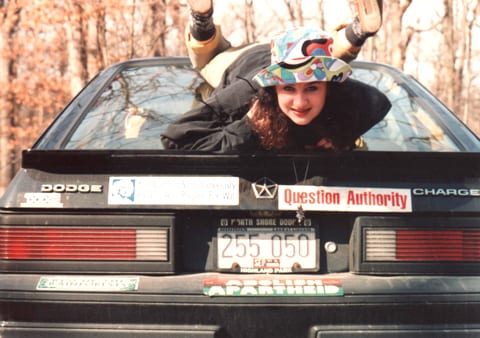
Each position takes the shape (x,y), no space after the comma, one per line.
(269,122)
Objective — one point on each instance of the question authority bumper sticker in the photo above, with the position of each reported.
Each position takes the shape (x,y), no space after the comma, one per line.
(283,287)
(313,198)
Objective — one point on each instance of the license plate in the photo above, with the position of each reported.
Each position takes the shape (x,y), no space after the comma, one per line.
(268,250)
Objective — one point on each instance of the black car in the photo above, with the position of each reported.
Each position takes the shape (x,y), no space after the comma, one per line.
(103,233)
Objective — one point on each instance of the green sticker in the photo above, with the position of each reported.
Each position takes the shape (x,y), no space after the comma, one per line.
(87,283)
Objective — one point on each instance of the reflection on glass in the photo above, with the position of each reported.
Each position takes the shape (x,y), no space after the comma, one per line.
(135,108)
(408,126)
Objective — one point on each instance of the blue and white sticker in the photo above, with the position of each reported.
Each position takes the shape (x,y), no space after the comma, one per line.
(174,190)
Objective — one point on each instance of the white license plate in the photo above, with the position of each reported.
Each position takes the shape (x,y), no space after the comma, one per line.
(269,250)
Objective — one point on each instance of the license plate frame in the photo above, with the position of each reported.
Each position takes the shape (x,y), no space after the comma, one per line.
(253,250)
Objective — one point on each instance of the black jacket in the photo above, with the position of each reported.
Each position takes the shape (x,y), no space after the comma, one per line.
(220,123)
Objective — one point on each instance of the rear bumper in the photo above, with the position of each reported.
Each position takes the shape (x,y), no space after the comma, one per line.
(175,306)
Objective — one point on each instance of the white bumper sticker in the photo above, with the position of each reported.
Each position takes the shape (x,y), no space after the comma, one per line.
(313,198)
(174,190)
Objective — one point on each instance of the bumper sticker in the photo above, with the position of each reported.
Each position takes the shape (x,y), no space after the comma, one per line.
(271,287)
(313,198)
(174,190)
(87,283)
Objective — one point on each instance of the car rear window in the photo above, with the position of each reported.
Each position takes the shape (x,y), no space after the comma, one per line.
(139,102)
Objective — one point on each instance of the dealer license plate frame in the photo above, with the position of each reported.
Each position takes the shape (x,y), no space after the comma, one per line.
(289,237)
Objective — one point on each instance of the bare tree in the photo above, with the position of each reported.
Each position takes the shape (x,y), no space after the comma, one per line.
(9,20)
(295,11)
(472,12)
(321,14)
(97,52)
(446,63)
(179,22)
(250,26)
(399,39)
(452,66)
(154,26)
(77,47)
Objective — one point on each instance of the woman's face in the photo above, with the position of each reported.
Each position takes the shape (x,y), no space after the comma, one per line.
(302,102)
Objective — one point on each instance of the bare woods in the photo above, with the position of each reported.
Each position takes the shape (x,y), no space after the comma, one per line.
(50,49)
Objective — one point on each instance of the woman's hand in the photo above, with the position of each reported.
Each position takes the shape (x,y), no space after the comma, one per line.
(324,143)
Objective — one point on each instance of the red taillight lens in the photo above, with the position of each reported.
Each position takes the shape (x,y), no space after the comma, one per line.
(422,245)
(449,245)
(65,243)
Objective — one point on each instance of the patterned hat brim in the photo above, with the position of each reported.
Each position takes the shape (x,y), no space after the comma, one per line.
(308,69)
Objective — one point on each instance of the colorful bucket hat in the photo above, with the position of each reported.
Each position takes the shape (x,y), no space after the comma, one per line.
(302,55)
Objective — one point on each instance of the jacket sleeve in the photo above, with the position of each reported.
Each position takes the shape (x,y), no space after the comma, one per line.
(353,108)
(219,124)
(205,136)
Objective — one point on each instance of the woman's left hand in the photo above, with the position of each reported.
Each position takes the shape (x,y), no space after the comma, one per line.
(324,143)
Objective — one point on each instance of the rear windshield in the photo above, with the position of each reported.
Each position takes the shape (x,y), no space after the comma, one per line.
(139,103)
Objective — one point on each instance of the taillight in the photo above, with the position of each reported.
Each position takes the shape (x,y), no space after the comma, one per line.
(422,245)
(66,243)
(107,244)
(428,246)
